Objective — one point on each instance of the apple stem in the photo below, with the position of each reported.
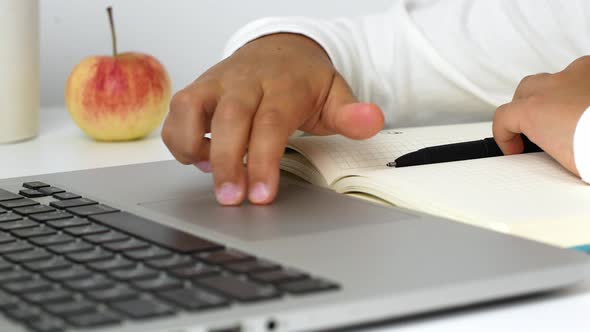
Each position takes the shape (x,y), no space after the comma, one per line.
(113,34)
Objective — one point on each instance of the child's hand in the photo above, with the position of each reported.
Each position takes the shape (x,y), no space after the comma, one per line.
(252,102)
(546,108)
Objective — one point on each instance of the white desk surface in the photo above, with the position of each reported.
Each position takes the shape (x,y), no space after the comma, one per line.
(61,146)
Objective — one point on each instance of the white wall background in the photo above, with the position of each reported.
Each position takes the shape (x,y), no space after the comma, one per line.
(187,36)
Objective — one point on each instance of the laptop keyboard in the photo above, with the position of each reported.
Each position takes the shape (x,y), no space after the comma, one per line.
(77,263)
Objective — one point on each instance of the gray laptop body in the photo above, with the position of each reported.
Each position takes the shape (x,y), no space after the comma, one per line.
(367,262)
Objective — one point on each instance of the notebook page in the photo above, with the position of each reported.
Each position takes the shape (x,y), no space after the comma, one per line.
(515,194)
(337,156)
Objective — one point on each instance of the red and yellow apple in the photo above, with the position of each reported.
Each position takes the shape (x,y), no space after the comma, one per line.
(120,97)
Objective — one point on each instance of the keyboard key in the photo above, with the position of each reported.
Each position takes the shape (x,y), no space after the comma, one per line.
(86,230)
(94,319)
(31,193)
(73,273)
(148,253)
(193,298)
(111,236)
(29,255)
(6,238)
(163,282)
(252,266)
(34,231)
(17,203)
(307,286)
(55,215)
(90,210)
(16,246)
(2,211)
(8,301)
(157,233)
(7,195)
(14,275)
(224,257)
(24,313)
(27,286)
(52,239)
(18,224)
(70,203)
(50,296)
(130,244)
(47,324)
(66,196)
(143,308)
(51,190)
(275,277)
(5,265)
(239,289)
(25,211)
(6,217)
(93,283)
(175,261)
(71,247)
(117,293)
(98,254)
(35,185)
(65,223)
(73,308)
(195,270)
(113,264)
(139,272)
(54,263)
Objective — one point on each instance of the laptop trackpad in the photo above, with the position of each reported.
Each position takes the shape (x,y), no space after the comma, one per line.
(297,211)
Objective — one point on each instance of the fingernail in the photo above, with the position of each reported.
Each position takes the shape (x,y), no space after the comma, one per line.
(204,166)
(228,194)
(259,193)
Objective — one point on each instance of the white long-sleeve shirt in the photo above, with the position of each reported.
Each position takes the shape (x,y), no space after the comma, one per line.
(447,61)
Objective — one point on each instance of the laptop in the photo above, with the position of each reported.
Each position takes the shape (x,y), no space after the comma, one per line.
(146,248)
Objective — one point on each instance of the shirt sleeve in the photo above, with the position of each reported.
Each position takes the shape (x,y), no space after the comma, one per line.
(582,146)
(447,61)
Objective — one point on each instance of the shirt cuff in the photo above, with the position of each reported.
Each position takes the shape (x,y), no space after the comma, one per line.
(582,146)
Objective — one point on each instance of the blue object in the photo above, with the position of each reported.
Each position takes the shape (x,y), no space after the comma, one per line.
(585,248)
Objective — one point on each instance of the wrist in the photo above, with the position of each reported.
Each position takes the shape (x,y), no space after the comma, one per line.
(286,43)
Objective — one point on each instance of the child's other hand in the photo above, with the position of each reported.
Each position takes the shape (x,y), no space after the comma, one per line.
(546,108)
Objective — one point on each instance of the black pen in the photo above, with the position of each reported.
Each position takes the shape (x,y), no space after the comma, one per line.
(484,148)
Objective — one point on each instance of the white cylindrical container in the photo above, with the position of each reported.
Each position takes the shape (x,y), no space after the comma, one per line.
(19,70)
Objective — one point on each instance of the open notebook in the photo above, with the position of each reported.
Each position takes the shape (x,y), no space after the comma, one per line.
(527,195)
